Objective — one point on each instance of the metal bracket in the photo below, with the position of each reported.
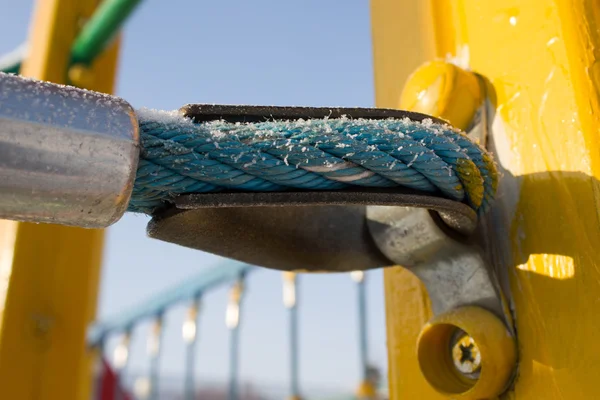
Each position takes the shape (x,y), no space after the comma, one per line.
(337,231)
(454,270)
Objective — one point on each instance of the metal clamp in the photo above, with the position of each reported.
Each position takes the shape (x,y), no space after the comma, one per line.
(467,350)
(453,268)
(67,155)
(313,231)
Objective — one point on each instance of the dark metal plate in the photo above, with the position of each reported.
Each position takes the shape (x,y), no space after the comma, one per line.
(244,113)
(313,231)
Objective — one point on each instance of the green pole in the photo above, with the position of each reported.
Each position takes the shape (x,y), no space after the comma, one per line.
(11,62)
(100,30)
(12,68)
(96,34)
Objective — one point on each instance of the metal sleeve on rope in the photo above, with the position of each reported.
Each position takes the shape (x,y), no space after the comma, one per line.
(67,156)
(179,156)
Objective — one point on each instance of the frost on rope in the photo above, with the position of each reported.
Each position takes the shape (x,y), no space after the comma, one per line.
(221,129)
(315,154)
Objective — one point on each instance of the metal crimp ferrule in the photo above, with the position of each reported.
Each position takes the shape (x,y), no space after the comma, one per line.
(67,155)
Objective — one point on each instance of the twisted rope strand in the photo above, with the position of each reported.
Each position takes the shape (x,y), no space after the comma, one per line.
(179,156)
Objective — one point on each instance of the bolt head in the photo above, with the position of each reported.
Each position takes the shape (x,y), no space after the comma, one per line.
(466,355)
(444,90)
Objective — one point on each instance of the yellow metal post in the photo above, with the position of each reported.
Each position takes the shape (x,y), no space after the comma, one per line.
(49,274)
(541,56)
(403,39)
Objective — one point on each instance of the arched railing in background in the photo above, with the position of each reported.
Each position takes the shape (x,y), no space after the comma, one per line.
(191,292)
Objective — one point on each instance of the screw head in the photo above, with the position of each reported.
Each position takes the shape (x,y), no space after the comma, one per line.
(439,353)
(466,355)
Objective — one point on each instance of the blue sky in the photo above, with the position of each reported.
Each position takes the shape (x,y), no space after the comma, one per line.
(266,52)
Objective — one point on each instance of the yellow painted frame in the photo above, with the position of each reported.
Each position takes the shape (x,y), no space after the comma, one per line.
(542,58)
(405,25)
(52,271)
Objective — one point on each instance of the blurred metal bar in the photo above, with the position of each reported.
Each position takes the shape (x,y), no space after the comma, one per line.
(233,364)
(366,389)
(154,350)
(227,272)
(232,320)
(120,362)
(363,339)
(290,301)
(190,336)
(294,354)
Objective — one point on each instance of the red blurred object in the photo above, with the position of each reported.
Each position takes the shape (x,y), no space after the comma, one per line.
(109,386)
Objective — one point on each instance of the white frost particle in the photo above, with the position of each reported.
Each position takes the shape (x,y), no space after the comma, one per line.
(285,160)
(412,161)
(217,134)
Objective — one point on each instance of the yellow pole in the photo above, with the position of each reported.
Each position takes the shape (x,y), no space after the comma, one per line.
(544,231)
(50,273)
(403,39)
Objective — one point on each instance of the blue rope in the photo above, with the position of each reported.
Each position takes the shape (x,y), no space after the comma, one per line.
(179,156)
